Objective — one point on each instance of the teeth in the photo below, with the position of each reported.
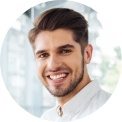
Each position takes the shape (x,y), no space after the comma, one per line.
(54,77)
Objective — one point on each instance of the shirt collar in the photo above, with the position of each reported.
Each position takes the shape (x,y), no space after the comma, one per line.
(81,98)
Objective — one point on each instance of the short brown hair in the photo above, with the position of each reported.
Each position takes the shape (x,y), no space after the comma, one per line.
(61,18)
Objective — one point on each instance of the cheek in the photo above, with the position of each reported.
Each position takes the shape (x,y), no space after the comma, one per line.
(75,61)
(76,65)
(40,68)
(77,68)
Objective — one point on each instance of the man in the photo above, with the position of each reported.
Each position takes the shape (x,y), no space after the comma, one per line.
(60,44)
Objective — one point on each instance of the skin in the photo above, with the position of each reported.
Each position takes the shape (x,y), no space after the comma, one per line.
(57,53)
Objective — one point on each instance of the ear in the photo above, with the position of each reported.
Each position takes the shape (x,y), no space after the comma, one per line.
(88,53)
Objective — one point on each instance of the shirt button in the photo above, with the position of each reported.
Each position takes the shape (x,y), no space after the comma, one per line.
(59,111)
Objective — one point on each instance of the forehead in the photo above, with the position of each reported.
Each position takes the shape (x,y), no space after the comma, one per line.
(47,40)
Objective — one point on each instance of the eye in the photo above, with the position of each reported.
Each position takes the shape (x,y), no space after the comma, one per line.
(43,55)
(65,51)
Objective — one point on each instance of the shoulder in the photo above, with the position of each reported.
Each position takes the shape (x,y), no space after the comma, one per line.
(100,95)
(100,98)
(50,114)
(103,95)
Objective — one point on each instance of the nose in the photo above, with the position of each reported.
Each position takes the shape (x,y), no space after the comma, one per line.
(54,62)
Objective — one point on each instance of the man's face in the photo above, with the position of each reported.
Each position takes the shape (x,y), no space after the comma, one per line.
(59,61)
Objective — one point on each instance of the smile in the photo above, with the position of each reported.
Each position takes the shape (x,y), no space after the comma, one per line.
(55,77)
(58,77)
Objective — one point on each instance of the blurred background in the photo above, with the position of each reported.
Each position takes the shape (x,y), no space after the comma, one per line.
(18,63)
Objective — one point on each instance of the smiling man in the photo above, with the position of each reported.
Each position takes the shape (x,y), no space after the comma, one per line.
(60,44)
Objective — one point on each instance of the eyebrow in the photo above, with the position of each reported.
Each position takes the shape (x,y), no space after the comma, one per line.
(40,51)
(66,46)
(59,48)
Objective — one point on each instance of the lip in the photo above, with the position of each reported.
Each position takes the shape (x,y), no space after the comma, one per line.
(56,73)
(57,81)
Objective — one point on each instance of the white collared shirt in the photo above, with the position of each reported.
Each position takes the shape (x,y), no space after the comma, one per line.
(89,99)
